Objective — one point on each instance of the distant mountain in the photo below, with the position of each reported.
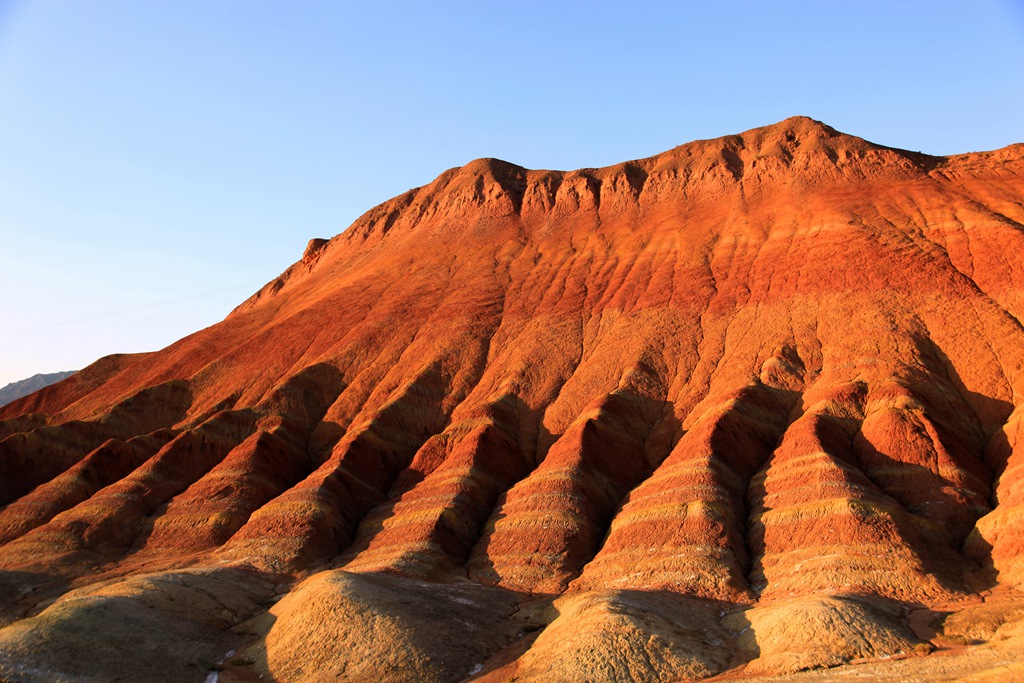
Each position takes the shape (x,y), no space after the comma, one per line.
(24,387)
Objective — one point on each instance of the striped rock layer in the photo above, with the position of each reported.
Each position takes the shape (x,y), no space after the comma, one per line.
(768,367)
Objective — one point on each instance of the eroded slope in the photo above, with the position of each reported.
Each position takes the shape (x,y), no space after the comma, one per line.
(668,408)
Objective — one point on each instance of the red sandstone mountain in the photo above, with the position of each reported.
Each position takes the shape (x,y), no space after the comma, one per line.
(751,405)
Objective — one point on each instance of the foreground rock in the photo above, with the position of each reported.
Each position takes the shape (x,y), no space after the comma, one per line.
(339,626)
(169,626)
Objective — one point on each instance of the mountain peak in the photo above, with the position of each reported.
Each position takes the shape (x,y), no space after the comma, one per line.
(798,151)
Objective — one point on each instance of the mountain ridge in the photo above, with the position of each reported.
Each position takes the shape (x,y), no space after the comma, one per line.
(379,216)
(15,390)
(755,399)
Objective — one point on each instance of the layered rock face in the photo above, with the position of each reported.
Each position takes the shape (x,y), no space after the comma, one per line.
(750,405)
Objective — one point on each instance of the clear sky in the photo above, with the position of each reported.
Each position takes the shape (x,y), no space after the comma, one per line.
(160,161)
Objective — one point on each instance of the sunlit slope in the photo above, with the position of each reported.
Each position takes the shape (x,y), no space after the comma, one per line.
(776,375)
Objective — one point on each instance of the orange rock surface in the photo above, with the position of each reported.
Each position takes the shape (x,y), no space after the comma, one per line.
(672,408)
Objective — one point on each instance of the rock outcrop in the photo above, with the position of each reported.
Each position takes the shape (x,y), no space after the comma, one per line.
(752,405)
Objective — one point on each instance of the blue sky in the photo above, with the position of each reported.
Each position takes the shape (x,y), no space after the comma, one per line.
(160,161)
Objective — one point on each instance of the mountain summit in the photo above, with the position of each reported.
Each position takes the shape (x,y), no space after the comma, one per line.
(753,404)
